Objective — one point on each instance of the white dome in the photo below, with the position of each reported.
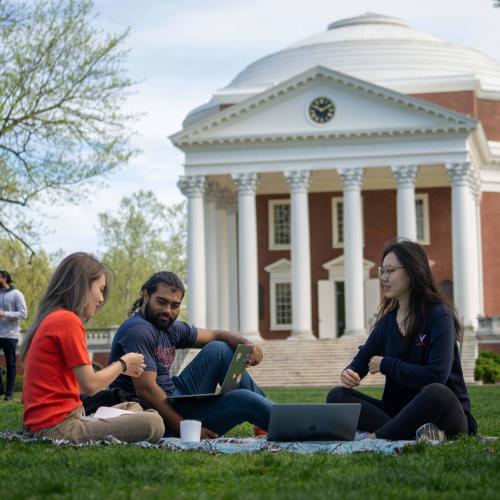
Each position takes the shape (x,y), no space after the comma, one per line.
(379,49)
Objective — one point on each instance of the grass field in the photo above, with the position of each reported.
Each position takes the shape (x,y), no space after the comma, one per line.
(466,468)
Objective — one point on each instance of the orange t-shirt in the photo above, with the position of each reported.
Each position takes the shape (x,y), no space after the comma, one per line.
(50,388)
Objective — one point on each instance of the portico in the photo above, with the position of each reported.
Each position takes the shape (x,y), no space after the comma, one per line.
(248,151)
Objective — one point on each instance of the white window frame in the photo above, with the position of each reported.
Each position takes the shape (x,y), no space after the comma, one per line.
(279,272)
(270,218)
(425,199)
(274,325)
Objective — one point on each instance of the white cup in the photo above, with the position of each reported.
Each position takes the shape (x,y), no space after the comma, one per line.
(190,431)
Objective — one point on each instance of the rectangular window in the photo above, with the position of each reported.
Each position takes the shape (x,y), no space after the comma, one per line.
(283,304)
(279,224)
(422,215)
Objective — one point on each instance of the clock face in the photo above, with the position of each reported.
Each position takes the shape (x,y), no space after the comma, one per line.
(321,110)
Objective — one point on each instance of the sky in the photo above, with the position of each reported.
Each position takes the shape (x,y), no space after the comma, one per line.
(182,51)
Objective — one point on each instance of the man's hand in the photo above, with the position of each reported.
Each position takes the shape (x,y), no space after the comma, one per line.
(350,378)
(256,356)
(208,434)
(374,364)
(2,314)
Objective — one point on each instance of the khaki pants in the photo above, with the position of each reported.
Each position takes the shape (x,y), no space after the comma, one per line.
(140,426)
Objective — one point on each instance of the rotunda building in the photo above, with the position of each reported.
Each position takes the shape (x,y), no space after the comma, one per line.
(311,158)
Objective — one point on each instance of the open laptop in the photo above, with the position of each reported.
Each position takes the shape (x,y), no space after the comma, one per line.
(231,380)
(314,422)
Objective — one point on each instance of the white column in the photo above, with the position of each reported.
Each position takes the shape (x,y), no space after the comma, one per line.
(301,255)
(406,176)
(352,179)
(211,194)
(232,238)
(478,247)
(247,262)
(464,260)
(193,187)
(222,260)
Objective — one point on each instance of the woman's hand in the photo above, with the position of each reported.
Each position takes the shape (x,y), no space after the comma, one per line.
(350,378)
(135,364)
(374,364)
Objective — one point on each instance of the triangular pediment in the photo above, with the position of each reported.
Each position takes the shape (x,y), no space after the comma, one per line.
(281,266)
(361,109)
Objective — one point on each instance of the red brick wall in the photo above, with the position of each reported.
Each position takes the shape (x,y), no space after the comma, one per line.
(463,101)
(380,226)
(466,102)
(495,347)
(490,227)
(489,114)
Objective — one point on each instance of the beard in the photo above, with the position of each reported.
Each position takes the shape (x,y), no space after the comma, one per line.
(154,319)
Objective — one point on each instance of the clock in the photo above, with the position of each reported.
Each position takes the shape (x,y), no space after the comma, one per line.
(321,110)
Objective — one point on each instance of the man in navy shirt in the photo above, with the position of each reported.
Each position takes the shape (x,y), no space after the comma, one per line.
(154,331)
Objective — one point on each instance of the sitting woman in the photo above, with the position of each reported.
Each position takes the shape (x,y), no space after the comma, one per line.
(414,344)
(57,364)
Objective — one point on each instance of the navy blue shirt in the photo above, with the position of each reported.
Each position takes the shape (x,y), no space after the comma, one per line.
(137,334)
(433,357)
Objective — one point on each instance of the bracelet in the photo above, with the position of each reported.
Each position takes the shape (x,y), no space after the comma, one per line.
(124,365)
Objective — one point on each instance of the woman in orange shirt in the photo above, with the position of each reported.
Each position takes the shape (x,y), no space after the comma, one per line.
(57,366)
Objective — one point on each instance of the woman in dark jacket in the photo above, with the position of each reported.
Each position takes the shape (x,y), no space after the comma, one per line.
(414,344)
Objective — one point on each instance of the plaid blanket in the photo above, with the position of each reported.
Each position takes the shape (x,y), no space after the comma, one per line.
(232,445)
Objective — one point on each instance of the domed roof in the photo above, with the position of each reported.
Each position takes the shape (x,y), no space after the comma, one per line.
(379,49)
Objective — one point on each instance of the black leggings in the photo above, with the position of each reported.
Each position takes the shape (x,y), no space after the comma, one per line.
(435,403)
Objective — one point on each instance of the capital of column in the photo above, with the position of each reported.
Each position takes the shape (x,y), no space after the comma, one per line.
(406,175)
(352,178)
(246,183)
(212,191)
(298,180)
(192,185)
(460,174)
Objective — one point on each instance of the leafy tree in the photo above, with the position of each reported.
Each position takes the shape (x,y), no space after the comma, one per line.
(143,237)
(62,87)
(30,273)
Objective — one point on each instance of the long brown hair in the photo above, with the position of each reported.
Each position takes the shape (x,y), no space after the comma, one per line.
(423,289)
(68,288)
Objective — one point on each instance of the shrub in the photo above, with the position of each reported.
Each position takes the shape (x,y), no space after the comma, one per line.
(487,367)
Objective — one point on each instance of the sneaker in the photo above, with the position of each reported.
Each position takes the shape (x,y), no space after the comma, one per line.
(429,433)
(257,431)
(8,397)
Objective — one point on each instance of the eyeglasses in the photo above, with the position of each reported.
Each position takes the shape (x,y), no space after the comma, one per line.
(383,271)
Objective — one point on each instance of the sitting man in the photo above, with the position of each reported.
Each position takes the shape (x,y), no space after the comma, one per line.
(154,331)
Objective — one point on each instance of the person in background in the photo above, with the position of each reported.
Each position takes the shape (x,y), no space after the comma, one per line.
(12,311)
(414,344)
(57,364)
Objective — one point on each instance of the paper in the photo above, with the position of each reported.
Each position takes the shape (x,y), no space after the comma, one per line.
(107,412)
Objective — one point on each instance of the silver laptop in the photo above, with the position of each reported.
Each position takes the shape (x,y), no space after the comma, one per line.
(231,380)
(314,422)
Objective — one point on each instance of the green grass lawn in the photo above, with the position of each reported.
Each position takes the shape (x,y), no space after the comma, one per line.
(466,468)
